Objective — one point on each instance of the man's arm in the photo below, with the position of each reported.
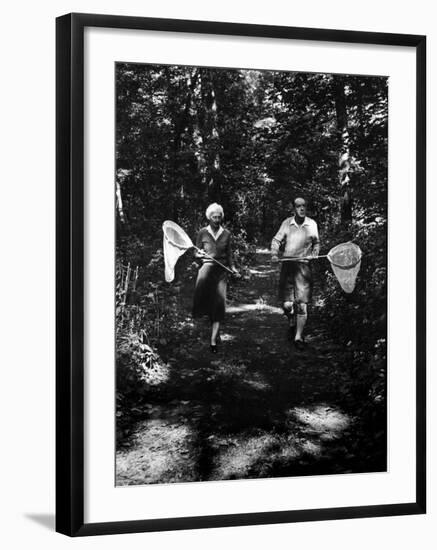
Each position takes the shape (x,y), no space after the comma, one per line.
(277,240)
(316,242)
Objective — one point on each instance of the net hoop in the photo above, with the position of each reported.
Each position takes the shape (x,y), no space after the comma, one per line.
(175,243)
(345,260)
(169,227)
(356,250)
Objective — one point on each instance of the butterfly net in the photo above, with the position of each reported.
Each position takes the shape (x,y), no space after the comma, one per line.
(176,243)
(345,261)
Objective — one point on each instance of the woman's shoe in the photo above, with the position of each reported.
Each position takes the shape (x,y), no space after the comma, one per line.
(213,348)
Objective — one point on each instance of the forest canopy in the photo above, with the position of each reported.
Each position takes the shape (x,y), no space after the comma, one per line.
(251,140)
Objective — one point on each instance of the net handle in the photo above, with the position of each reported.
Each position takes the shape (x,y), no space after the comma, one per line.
(297,258)
(213,259)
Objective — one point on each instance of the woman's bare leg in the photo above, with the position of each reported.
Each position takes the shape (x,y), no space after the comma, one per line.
(214,332)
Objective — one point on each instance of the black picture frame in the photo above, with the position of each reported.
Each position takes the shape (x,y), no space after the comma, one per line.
(70,273)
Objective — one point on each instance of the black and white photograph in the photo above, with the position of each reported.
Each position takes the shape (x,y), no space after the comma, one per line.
(251,270)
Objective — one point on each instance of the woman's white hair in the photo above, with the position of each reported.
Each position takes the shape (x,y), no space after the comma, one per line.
(212,209)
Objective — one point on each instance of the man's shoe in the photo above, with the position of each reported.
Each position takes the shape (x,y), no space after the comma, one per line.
(299,344)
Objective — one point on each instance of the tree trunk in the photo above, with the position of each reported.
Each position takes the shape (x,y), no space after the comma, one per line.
(211,138)
(180,127)
(119,201)
(344,166)
(119,179)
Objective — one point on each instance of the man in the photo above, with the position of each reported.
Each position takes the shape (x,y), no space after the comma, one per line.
(300,237)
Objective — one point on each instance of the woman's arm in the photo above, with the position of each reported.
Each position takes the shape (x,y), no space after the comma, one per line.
(199,244)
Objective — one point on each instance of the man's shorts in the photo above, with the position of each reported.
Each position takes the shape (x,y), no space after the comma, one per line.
(295,282)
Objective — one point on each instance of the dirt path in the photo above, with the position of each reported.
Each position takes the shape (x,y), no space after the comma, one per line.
(259,408)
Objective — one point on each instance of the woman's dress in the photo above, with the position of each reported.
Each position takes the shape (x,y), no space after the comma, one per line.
(210,290)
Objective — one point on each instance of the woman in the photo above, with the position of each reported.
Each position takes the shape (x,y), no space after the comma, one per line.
(210,291)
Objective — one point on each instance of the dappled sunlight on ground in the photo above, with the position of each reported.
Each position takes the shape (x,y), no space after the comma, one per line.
(308,432)
(227,372)
(169,446)
(322,420)
(162,450)
(264,273)
(226,337)
(312,448)
(155,376)
(260,306)
(263,454)
(238,455)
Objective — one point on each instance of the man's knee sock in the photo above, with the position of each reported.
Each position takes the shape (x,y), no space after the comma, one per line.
(301,319)
(288,308)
